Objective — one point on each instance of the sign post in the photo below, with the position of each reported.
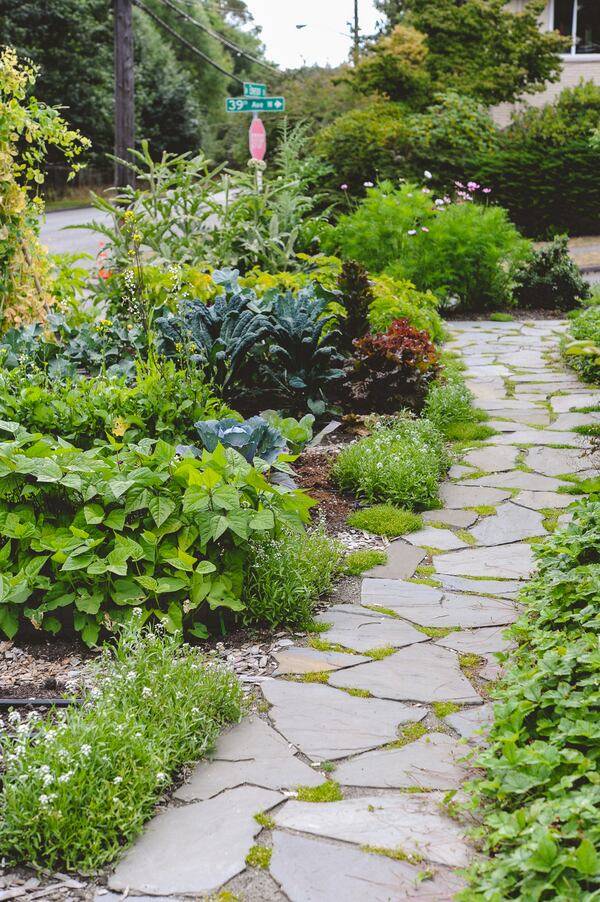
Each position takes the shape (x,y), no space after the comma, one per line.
(255,101)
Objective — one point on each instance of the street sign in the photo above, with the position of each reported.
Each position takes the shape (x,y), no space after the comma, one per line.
(253,90)
(255,105)
(258,139)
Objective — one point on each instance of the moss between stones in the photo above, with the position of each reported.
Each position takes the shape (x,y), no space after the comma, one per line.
(329,791)
(443,709)
(408,733)
(265,820)
(397,854)
(357,562)
(259,857)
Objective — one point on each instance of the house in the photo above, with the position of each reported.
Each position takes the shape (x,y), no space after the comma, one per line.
(579,20)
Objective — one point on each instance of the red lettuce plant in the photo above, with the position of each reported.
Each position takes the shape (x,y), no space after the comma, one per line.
(393,369)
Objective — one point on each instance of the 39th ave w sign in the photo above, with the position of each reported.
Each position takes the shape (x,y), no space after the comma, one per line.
(255,104)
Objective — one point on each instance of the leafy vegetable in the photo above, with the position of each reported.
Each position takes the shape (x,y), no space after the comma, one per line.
(297,433)
(87,536)
(251,438)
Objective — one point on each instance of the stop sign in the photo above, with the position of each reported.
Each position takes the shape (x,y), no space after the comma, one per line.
(258,139)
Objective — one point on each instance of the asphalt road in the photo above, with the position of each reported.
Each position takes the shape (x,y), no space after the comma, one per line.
(59,240)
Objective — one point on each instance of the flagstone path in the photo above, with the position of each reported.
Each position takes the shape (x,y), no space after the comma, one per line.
(390,727)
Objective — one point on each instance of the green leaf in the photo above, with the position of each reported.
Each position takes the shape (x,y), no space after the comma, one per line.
(263,520)
(545,855)
(52,625)
(126,591)
(161,509)
(89,604)
(198,630)
(115,520)
(170,584)
(9,620)
(587,861)
(93,514)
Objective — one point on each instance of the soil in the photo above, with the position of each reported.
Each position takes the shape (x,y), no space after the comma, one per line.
(313,470)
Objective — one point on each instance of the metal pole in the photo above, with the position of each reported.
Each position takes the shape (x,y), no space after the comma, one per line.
(124,90)
(356,48)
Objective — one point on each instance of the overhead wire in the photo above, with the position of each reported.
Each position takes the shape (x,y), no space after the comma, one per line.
(186,43)
(216,36)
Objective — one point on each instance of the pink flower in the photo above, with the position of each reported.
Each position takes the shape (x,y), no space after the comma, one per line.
(459,184)
(487,190)
(344,187)
(424,229)
(472,186)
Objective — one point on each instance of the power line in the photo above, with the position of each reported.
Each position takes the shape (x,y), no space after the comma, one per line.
(216,36)
(186,43)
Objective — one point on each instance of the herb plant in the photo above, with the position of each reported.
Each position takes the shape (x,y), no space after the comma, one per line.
(550,279)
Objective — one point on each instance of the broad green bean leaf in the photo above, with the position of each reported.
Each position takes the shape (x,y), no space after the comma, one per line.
(93,513)
(9,620)
(161,509)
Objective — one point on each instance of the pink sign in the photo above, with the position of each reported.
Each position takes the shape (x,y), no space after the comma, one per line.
(258,139)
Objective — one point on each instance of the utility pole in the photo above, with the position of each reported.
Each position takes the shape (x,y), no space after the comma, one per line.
(356,36)
(124,90)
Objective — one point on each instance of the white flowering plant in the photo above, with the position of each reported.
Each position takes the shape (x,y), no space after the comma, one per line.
(401,463)
(80,783)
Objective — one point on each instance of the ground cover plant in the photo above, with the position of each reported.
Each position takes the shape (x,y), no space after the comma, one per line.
(539,793)
(385,520)
(79,784)
(582,352)
(90,536)
(400,463)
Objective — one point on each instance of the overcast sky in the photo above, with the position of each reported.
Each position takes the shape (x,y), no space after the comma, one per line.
(322,41)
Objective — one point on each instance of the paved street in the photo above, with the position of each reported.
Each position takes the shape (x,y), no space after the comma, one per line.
(61,240)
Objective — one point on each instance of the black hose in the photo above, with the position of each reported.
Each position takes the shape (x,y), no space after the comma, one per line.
(38,702)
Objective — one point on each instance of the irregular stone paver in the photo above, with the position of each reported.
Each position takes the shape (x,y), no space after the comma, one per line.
(552,461)
(354,627)
(569,421)
(249,753)
(492,459)
(317,870)
(411,822)
(430,762)
(520,418)
(513,561)
(325,723)
(456,495)
(504,588)
(403,560)
(470,722)
(541,500)
(459,518)
(432,537)
(510,523)
(196,848)
(518,479)
(482,641)
(539,437)
(418,674)
(298,659)
(574,401)
(440,609)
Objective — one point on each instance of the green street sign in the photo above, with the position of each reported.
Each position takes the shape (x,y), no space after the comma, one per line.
(254,90)
(255,105)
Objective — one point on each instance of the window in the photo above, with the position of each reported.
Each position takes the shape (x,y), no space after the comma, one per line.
(579,20)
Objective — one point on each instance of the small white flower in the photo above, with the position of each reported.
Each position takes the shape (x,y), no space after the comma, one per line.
(146,692)
(412,231)
(160,777)
(86,749)
(427,174)
(439,202)
(117,780)
(368,184)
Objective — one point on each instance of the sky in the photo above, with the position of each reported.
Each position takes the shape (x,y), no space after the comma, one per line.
(325,40)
